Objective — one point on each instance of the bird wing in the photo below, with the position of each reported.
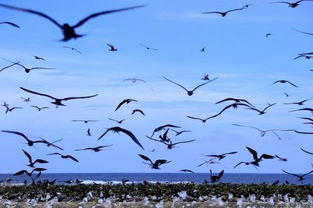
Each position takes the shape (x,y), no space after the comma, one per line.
(188,141)
(28,155)
(156,140)
(302,132)
(55,153)
(230,153)
(82,97)
(253,152)
(266,156)
(33,12)
(37,93)
(308,173)
(232,10)
(10,23)
(81,22)
(292,84)
(238,164)
(175,83)
(161,162)
(216,12)
(21,172)
(130,134)
(186,170)
(71,157)
(304,32)
(120,104)
(204,83)
(40,161)
(138,110)
(191,117)
(270,105)
(8,66)
(34,106)
(111,46)
(220,174)
(17,133)
(311,153)
(290,173)
(104,133)
(145,158)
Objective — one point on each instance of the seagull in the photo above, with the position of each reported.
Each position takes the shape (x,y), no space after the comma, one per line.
(68,31)
(8,109)
(180,132)
(117,129)
(31,162)
(190,92)
(261,112)
(300,177)
(39,58)
(163,127)
(52,144)
(205,77)
(299,102)
(268,34)
(57,101)
(26,99)
(111,47)
(262,132)
(291,4)
(117,121)
(134,80)
(29,142)
(85,121)
(73,49)
(216,178)
(223,14)
(27,70)
(236,100)
(284,81)
(202,49)
(148,48)
(10,23)
(257,159)
(139,111)
(39,108)
(64,156)
(307,55)
(95,149)
(155,164)
(186,171)
(281,159)
(221,156)
(127,101)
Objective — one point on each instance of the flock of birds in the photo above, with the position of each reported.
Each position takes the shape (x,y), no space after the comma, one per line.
(164,134)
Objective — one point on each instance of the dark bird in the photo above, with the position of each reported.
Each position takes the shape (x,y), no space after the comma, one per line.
(88,132)
(186,171)
(223,14)
(202,49)
(284,81)
(29,142)
(6,67)
(50,144)
(39,58)
(126,101)
(205,77)
(257,159)
(268,34)
(27,70)
(210,161)
(169,143)
(163,127)
(95,149)
(303,109)
(85,121)
(10,23)
(298,103)
(29,173)
(39,108)
(133,80)
(263,132)
(117,121)
(57,101)
(148,47)
(26,99)
(156,164)
(64,156)
(286,94)
(190,92)
(139,111)
(216,178)
(221,156)
(180,132)
(291,4)
(236,100)
(261,112)
(31,162)
(300,177)
(73,49)
(117,129)
(281,158)
(111,47)
(68,31)
(307,55)
(8,109)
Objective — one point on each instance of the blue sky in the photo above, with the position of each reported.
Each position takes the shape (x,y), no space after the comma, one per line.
(237,51)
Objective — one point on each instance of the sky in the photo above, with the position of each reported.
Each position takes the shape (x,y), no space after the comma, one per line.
(237,51)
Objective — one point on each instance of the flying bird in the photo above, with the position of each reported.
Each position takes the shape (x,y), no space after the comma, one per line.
(261,112)
(133,80)
(268,34)
(27,70)
(307,55)
(300,177)
(216,178)
(221,156)
(58,101)
(117,121)
(64,156)
(52,144)
(111,47)
(190,92)
(163,127)
(29,142)
(8,109)
(31,162)
(202,49)
(95,149)
(281,158)
(284,81)
(148,47)
(10,23)
(73,49)
(256,160)
(291,4)
(117,129)
(223,14)
(39,108)
(126,101)
(39,58)
(85,121)
(298,103)
(26,99)
(263,132)
(155,164)
(139,111)
(186,171)
(67,30)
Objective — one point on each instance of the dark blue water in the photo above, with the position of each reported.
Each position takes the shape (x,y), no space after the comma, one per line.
(236,178)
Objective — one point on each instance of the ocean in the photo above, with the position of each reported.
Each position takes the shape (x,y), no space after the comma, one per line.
(115,178)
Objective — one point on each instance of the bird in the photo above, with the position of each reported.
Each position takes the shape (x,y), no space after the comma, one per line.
(169,143)
(155,164)
(236,100)
(304,32)
(223,14)
(281,158)
(186,171)
(268,34)
(125,101)
(210,161)
(190,92)
(39,108)
(88,132)
(163,127)
(256,160)
(307,55)
(291,4)
(262,132)
(29,142)
(57,101)
(111,47)
(85,121)
(180,132)
(73,49)
(202,49)
(300,177)
(27,70)
(95,149)
(31,162)
(117,121)
(64,156)
(29,173)
(67,30)
(134,80)
(303,109)
(39,58)
(6,67)
(8,109)
(52,144)
(221,156)
(205,77)
(26,99)
(148,47)
(261,112)
(10,23)
(139,111)
(117,129)
(216,178)
(284,81)
(298,103)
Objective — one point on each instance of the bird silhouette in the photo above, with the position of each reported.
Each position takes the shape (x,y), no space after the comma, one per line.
(155,164)
(164,127)
(281,158)
(261,112)
(268,34)
(300,177)
(256,160)
(299,102)
(216,178)
(31,162)
(67,30)
(73,49)
(88,132)
(148,47)
(307,55)
(133,80)
(125,101)
(291,4)
(139,111)
(95,149)
(263,132)
(85,121)
(205,77)
(57,101)
(8,109)
(64,156)
(39,58)
(186,171)
(26,99)
(117,129)
(29,142)
(111,47)
(202,50)
(50,144)
(117,121)
(284,81)
(27,70)
(190,92)
(39,108)
(236,100)
(10,23)
(221,156)
(223,14)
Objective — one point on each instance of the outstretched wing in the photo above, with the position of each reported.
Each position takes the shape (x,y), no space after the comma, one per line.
(72,158)
(81,22)
(220,174)
(33,12)
(130,134)
(311,153)
(82,97)
(145,158)
(10,23)
(188,141)
(104,133)
(204,84)
(253,152)
(290,173)
(37,93)
(175,83)
(28,155)
(17,133)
